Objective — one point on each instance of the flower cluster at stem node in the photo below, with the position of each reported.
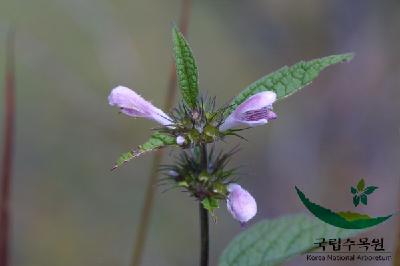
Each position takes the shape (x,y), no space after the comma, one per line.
(198,126)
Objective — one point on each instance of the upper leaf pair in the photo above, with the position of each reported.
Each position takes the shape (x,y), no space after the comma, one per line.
(252,107)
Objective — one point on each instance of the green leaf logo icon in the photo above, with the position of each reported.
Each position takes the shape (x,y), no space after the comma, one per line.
(369,190)
(361,185)
(360,194)
(356,200)
(342,219)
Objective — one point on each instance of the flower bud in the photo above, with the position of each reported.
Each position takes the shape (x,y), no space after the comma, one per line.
(240,203)
(180,140)
(173,173)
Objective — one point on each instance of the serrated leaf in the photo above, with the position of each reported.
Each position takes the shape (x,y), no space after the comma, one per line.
(370,190)
(361,185)
(123,158)
(156,141)
(364,199)
(353,190)
(272,242)
(186,68)
(288,80)
(356,200)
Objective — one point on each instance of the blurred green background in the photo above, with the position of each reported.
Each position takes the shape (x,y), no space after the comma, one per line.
(69,209)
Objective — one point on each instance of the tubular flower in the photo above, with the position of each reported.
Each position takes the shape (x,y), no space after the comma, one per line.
(255,111)
(240,203)
(134,105)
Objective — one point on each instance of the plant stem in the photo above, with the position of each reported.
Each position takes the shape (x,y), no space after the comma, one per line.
(204,235)
(203,157)
(142,230)
(7,150)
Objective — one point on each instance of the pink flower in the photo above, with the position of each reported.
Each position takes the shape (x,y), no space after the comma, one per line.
(255,111)
(240,203)
(134,105)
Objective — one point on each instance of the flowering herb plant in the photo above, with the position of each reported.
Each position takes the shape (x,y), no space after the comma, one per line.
(196,124)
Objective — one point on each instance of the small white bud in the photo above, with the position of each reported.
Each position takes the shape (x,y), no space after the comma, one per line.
(180,140)
(173,173)
(200,129)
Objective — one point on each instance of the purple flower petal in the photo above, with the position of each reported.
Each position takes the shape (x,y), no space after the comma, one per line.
(255,111)
(240,203)
(134,105)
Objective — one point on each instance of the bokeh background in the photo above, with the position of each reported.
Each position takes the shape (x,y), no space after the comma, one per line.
(69,209)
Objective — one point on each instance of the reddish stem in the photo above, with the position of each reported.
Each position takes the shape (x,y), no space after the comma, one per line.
(9,104)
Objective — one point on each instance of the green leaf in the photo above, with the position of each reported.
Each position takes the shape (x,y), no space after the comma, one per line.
(356,200)
(123,158)
(157,140)
(186,68)
(353,190)
(210,204)
(364,199)
(361,185)
(288,80)
(272,242)
(370,190)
